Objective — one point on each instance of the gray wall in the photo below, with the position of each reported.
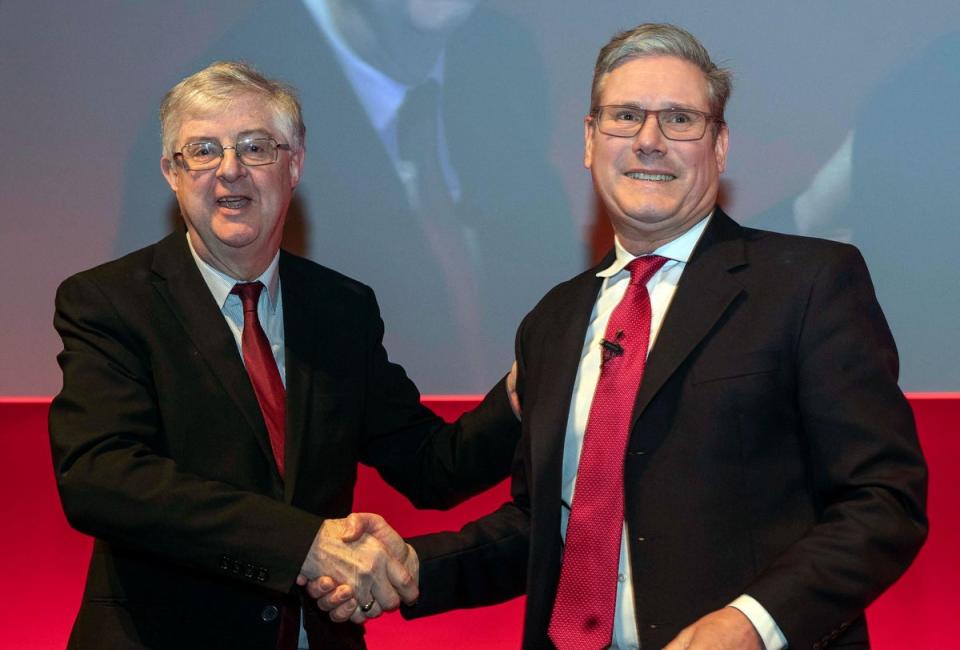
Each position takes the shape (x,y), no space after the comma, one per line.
(843,124)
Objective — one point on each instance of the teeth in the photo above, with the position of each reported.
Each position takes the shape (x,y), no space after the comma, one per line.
(232,202)
(640,176)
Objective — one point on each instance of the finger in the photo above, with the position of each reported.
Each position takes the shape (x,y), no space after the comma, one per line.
(412,563)
(334,599)
(321,586)
(403,583)
(302,580)
(345,612)
(360,616)
(386,596)
(378,528)
(354,527)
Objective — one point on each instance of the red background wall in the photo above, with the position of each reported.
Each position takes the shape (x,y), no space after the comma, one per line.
(45,560)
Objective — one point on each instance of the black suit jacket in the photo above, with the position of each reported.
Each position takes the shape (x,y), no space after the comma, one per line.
(353,210)
(161,452)
(772,452)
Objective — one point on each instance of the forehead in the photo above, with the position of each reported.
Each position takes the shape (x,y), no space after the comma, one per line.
(242,114)
(656,82)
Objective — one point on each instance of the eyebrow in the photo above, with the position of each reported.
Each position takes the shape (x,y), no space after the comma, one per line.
(243,135)
(674,106)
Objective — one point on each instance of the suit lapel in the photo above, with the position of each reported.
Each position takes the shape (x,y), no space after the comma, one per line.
(302,329)
(705,292)
(178,281)
(559,369)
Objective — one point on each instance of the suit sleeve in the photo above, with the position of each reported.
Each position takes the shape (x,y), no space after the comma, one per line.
(434,464)
(119,483)
(863,458)
(486,561)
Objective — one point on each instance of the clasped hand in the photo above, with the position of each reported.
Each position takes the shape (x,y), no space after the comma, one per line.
(359,567)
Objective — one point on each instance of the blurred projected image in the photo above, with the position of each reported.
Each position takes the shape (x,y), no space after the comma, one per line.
(888,189)
(426,170)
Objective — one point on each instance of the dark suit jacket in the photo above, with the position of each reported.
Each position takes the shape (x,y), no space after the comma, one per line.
(352,207)
(772,452)
(161,453)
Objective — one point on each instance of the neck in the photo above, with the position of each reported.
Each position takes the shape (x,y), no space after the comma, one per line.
(638,242)
(241,266)
(643,245)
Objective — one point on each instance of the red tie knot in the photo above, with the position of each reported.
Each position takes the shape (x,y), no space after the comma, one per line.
(642,268)
(249,293)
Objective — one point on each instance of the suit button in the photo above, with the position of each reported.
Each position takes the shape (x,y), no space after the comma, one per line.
(269,613)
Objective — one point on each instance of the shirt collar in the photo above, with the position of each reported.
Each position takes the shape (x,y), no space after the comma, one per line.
(381,96)
(679,249)
(220,284)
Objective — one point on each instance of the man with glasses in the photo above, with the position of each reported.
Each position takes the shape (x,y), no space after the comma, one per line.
(218,394)
(752,482)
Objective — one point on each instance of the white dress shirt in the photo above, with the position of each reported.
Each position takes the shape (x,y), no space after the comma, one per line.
(661,288)
(269,307)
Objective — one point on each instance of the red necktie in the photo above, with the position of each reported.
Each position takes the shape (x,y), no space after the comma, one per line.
(587,595)
(262,368)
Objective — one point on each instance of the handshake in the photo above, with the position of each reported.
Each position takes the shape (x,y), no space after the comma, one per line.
(359,567)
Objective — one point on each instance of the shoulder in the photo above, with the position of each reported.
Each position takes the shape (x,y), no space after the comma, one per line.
(565,302)
(303,276)
(773,257)
(125,275)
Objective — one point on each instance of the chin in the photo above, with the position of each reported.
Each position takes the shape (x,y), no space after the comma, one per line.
(236,237)
(651,214)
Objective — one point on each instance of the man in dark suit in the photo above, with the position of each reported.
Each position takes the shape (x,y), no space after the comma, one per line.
(461,236)
(755,481)
(218,394)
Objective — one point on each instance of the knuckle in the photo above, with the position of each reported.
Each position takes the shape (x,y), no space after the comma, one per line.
(391,602)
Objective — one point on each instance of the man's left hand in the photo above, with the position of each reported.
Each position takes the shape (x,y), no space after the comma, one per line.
(512,393)
(724,629)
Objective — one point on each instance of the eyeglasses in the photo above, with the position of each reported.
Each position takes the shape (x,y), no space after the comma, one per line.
(252,152)
(675,123)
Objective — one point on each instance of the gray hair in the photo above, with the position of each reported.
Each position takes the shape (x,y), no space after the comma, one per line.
(660,39)
(218,84)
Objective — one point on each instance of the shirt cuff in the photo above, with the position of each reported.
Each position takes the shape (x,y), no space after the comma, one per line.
(764,624)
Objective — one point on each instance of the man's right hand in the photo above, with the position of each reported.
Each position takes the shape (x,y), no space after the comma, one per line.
(359,560)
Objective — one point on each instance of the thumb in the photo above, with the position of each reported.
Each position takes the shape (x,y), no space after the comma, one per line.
(353,528)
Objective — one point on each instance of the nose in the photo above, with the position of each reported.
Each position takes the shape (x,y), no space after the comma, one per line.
(649,139)
(230,168)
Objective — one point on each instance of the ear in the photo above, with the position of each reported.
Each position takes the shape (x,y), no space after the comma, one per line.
(296,166)
(170,171)
(720,144)
(588,135)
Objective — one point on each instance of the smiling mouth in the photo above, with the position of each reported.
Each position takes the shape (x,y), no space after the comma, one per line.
(233,202)
(641,176)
